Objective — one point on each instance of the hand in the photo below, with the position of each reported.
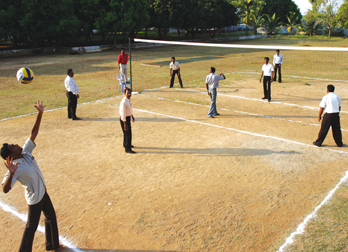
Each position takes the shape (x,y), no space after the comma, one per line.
(208,93)
(125,126)
(260,79)
(319,118)
(133,119)
(271,80)
(10,166)
(77,96)
(39,106)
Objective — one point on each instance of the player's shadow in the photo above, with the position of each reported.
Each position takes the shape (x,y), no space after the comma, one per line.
(161,119)
(212,151)
(125,250)
(101,119)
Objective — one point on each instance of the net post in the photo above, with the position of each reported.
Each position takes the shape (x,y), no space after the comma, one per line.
(130,63)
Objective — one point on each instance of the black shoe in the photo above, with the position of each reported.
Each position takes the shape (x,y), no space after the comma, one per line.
(69,117)
(211,116)
(315,143)
(170,87)
(132,146)
(279,81)
(264,98)
(76,118)
(182,87)
(269,100)
(216,114)
(130,151)
(341,145)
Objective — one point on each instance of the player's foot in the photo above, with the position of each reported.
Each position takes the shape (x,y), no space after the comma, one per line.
(269,100)
(340,145)
(182,87)
(211,116)
(217,114)
(61,247)
(132,146)
(315,143)
(264,98)
(170,87)
(76,118)
(130,151)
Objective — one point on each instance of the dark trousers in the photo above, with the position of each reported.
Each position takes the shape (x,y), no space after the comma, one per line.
(267,87)
(72,104)
(279,67)
(173,76)
(51,227)
(332,120)
(127,135)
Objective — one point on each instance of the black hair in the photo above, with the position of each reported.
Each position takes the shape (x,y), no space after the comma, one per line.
(5,152)
(173,58)
(212,69)
(277,50)
(125,89)
(69,71)
(122,49)
(266,58)
(331,88)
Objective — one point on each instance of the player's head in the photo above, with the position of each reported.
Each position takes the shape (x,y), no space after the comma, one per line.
(212,69)
(330,88)
(266,60)
(277,51)
(70,72)
(122,50)
(10,150)
(173,59)
(127,92)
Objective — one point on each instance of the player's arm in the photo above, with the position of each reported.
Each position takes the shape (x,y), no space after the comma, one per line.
(261,76)
(224,77)
(39,106)
(272,75)
(6,186)
(179,71)
(320,113)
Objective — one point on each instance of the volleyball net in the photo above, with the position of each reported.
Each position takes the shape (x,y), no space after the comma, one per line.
(303,62)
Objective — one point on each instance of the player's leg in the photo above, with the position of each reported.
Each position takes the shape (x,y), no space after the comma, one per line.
(172,79)
(269,89)
(325,126)
(213,102)
(264,87)
(73,105)
(280,73)
(69,105)
(51,227)
(336,129)
(180,81)
(34,212)
(128,134)
(275,72)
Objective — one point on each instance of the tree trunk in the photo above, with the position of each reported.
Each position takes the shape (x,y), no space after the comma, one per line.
(329,32)
(145,32)
(178,32)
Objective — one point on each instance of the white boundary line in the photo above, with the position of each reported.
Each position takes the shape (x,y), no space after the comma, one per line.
(301,227)
(41,229)
(298,48)
(238,111)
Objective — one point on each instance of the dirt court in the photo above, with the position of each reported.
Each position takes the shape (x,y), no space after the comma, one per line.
(242,181)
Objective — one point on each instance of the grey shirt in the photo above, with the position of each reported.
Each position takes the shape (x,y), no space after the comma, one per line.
(29,175)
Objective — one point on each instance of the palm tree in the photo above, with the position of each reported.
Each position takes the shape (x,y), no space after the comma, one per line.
(271,23)
(292,22)
(256,19)
(244,7)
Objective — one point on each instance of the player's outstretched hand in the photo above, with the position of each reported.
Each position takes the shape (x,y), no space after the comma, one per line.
(39,106)
(10,165)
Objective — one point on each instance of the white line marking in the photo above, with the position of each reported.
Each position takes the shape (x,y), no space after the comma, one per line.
(236,130)
(298,48)
(40,228)
(237,111)
(301,227)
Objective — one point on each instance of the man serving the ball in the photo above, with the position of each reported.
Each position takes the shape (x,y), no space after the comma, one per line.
(22,167)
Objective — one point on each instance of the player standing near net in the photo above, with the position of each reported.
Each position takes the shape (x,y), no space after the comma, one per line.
(122,65)
(267,73)
(126,114)
(211,83)
(72,90)
(174,69)
(331,106)
(22,167)
(277,63)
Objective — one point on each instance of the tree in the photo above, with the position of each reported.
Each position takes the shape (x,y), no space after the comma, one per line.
(244,7)
(343,15)
(159,15)
(311,23)
(256,18)
(271,23)
(281,8)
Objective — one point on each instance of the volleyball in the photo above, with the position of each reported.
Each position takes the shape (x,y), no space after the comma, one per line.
(25,75)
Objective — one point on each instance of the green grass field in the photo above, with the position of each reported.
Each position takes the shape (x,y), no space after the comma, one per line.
(95,73)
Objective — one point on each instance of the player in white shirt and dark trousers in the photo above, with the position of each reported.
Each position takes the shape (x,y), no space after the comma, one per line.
(22,167)
(72,92)
(331,106)
(126,114)
(267,74)
(174,68)
(277,62)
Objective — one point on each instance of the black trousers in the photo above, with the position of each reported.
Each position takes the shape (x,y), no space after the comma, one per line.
(279,67)
(173,76)
(267,87)
(332,120)
(72,104)
(127,135)
(51,227)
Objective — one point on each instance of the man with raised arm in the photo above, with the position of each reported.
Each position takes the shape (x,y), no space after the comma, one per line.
(22,167)
(211,84)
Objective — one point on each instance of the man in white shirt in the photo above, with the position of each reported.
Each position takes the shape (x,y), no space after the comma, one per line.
(267,73)
(22,167)
(277,62)
(72,92)
(211,83)
(126,114)
(331,106)
(174,68)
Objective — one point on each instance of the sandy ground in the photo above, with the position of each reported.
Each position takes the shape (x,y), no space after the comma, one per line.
(195,184)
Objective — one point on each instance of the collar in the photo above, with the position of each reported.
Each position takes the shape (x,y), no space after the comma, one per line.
(18,160)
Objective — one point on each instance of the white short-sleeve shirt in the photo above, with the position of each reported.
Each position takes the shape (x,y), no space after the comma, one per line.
(331,103)
(29,175)
(267,69)
(125,108)
(174,66)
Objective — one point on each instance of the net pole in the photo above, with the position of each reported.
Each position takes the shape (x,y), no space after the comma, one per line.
(130,63)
